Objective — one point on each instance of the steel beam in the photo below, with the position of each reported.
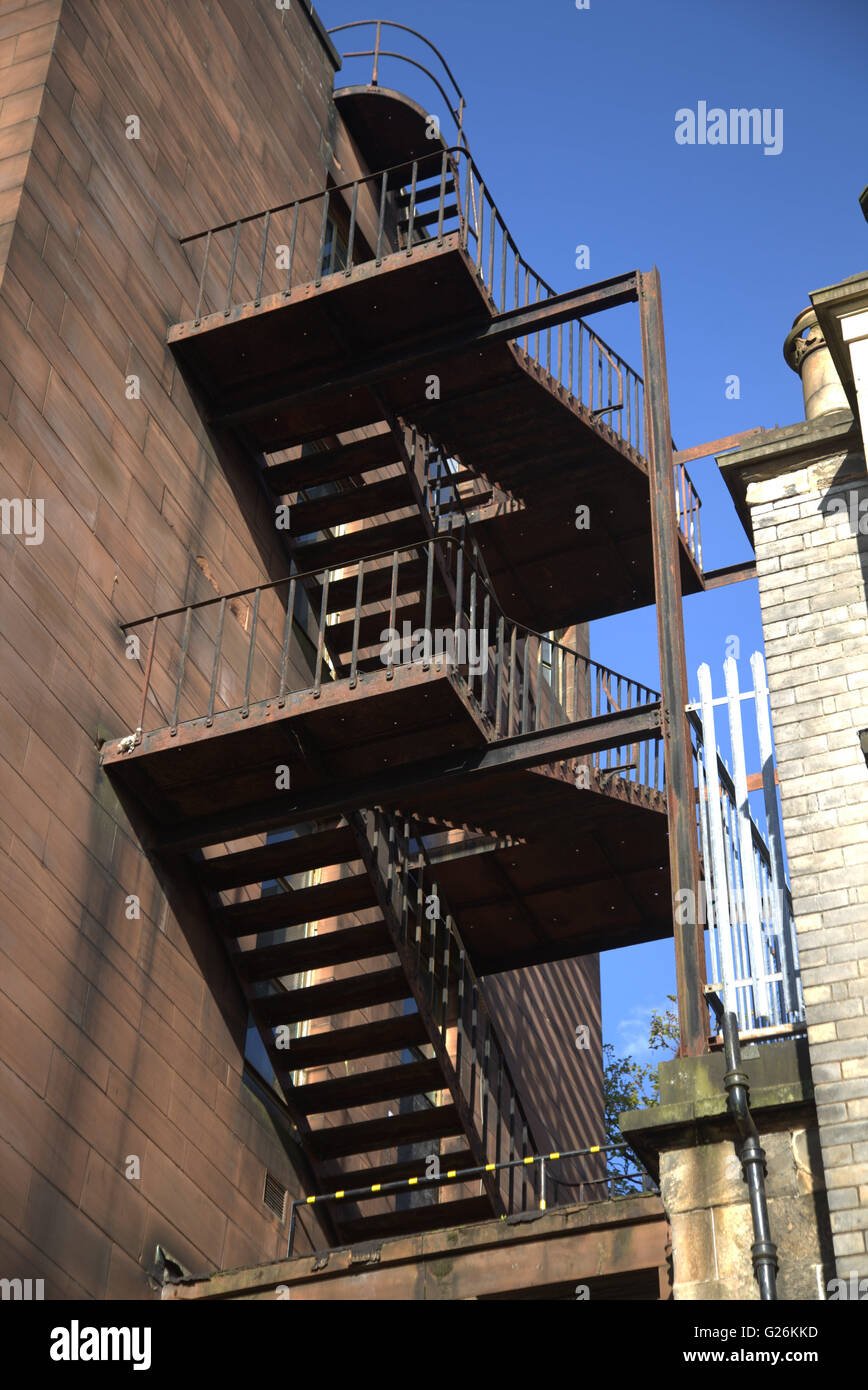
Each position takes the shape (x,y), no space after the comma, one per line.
(717,446)
(415,355)
(729,574)
(434,774)
(683,847)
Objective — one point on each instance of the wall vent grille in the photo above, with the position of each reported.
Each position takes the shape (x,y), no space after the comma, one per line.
(274,1196)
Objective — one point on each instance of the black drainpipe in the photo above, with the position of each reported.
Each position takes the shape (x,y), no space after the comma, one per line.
(752,1155)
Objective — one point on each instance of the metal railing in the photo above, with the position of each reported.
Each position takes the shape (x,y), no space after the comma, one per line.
(687,509)
(396,211)
(453,999)
(228,654)
(747,903)
(378,53)
(605,1187)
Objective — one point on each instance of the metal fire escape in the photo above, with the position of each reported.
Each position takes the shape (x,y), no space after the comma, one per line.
(426,415)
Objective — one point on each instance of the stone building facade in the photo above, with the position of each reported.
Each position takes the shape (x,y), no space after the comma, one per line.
(803,493)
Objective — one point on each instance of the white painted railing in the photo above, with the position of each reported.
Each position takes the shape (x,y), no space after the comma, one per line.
(748,908)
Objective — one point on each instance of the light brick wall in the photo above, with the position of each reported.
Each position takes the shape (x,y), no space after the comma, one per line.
(812,564)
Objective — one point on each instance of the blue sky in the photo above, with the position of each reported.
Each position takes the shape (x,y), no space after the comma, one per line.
(571,118)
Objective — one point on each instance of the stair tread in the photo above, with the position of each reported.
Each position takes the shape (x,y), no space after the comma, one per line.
(399,1172)
(369,1087)
(330,465)
(323,900)
(285,857)
(429,219)
(433,1217)
(357,504)
(315,952)
(393,1131)
(378,584)
(333,997)
(371,540)
(380,1038)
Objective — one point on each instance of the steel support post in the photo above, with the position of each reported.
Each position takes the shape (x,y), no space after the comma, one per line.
(683,847)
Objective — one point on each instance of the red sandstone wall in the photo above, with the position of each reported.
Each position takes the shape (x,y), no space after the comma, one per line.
(111,1042)
(112,1039)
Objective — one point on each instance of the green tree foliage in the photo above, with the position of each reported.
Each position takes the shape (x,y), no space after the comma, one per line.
(629,1085)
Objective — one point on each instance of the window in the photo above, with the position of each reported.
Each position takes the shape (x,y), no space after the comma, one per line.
(334,252)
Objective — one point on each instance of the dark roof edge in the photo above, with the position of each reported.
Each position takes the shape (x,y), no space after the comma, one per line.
(306,7)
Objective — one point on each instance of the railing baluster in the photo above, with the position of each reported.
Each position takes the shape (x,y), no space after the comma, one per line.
(499,675)
(459,591)
(202,275)
(484,1085)
(412,219)
(264,252)
(287,639)
(539,684)
(474,1007)
(320,643)
(511,684)
(502,305)
(471,633)
(232,267)
(580,378)
(209,719)
(393,603)
(148,667)
(381,220)
(291,256)
(442,204)
(525,684)
(483,649)
(181,664)
(250,654)
(354,210)
(480,227)
(429,598)
(357,618)
(322,239)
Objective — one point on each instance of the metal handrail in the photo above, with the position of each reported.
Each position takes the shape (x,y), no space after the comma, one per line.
(521,682)
(455,998)
(378,52)
(456,1176)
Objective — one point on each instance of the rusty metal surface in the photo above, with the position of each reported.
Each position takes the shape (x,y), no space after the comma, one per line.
(683,844)
(730,574)
(544,1251)
(716,446)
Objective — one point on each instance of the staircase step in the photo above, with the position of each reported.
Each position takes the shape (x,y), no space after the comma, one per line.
(357,504)
(339,1141)
(429,219)
(286,857)
(333,997)
(324,900)
(438,1216)
(399,1172)
(427,192)
(377,1039)
(342,550)
(315,952)
(330,465)
(373,624)
(412,577)
(369,1087)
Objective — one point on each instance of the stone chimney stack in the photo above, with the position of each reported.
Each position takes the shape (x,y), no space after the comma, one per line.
(806,352)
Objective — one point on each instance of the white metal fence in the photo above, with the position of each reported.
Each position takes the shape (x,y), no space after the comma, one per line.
(748,908)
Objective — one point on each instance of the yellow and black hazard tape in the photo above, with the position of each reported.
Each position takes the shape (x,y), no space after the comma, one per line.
(453,1174)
